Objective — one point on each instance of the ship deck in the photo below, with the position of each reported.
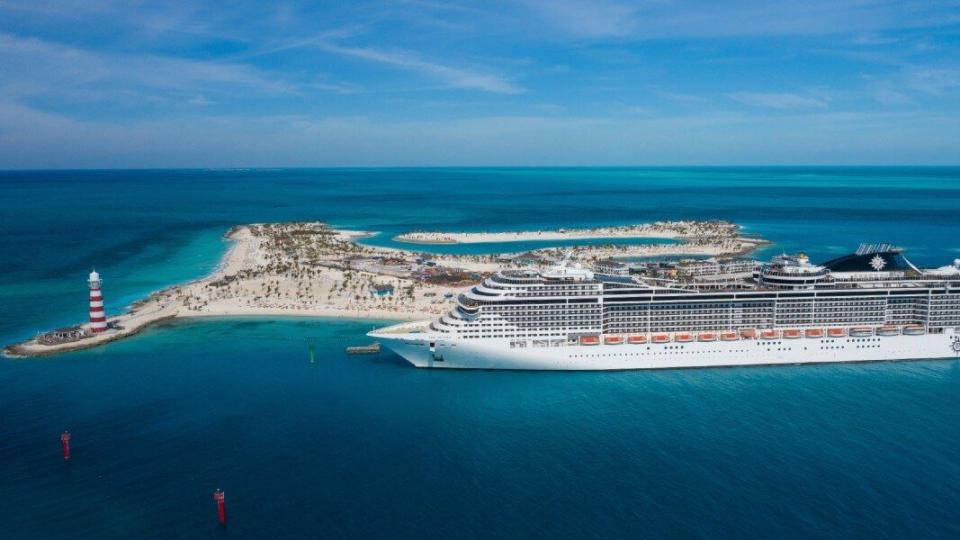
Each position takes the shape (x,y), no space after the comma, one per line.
(415,327)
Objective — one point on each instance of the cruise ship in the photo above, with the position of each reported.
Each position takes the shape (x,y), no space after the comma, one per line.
(870,305)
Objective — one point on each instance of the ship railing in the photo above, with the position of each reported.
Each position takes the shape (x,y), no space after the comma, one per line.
(796,274)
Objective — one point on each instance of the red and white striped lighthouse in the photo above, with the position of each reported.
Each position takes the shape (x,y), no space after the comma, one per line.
(98,319)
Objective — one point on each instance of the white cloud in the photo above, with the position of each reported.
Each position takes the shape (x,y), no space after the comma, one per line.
(30,138)
(590,19)
(870,39)
(778,100)
(680,97)
(551,108)
(638,109)
(710,18)
(45,66)
(453,76)
(888,96)
(932,80)
(200,101)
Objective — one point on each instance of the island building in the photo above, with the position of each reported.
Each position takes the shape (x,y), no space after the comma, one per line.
(62,335)
(611,267)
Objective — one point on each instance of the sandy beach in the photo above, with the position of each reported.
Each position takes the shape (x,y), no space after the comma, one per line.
(663,229)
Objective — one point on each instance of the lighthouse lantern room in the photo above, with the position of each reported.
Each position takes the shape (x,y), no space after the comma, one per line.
(98,318)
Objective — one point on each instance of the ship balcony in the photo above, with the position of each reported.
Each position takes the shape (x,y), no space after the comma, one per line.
(467,303)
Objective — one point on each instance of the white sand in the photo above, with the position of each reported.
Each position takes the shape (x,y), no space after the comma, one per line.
(672,229)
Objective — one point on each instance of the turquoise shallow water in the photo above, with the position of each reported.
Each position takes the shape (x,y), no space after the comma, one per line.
(364,446)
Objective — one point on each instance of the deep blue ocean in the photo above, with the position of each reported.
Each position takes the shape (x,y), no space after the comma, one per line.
(347,447)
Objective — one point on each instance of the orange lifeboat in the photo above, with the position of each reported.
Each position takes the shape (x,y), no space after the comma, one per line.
(770,334)
(613,340)
(637,340)
(837,332)
(707,336)
(748,334)
(683,338)
(661,338)
(791,334)
(814,333)
(729,336)
(589,340)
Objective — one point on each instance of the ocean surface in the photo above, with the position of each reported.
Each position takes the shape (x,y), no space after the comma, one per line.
(371,447)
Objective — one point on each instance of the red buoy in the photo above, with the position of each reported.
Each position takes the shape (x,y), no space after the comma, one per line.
(221,506)
(65,445)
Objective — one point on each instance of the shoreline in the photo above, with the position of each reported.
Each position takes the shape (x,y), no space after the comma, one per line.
(307,269)
(661,229)
(328,313)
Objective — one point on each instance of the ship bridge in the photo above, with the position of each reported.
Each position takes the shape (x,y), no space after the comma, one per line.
(873,259)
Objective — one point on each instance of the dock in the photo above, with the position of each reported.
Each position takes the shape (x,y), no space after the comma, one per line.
(373,348)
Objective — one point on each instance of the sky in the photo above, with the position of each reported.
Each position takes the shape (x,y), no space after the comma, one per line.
(142,84)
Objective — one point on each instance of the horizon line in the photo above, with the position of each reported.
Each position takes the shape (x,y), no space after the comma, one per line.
(397,167)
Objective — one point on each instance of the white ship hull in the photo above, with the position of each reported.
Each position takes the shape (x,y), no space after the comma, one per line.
(499,354)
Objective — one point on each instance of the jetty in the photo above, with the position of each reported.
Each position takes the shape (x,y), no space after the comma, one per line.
(373,348)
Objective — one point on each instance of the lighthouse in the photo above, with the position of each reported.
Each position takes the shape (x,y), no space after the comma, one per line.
(98,319)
